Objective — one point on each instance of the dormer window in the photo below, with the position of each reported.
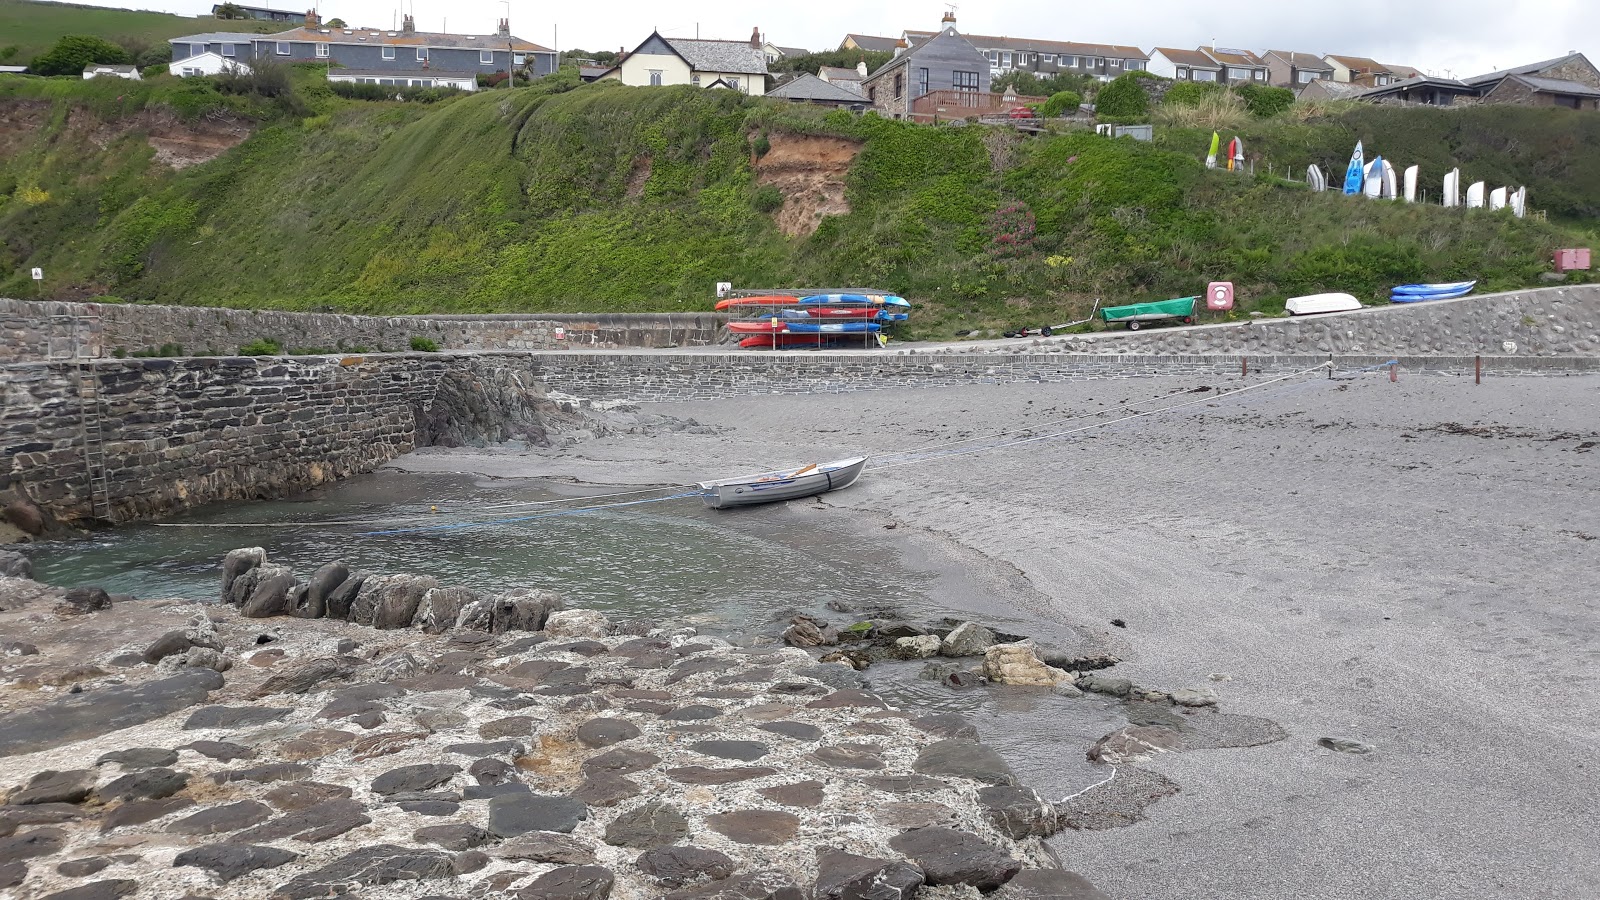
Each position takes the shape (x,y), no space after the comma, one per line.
(422,54)
(486,57)
(388,52)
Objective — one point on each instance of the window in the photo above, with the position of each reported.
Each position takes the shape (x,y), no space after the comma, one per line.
(1236,74)
(694,79)
(872,94)
(1259,74)
(485,57)
(189,71)
(197,49)
(518,59)
(322,51)
(422,54)
(1307,77)
(1134,65)
(922,82)
(964,81)
(1116,64)
(1201,75)
(899,85)
(1568,102)
(227,50)
(994,57)
(1069,61)
(388,53)
(732,82)
(1382,80)
(283,48)
(1050,59)
(1182,73)
(1005,60)
(655,77)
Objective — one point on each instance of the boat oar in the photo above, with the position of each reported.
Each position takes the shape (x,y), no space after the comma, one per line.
(803,471)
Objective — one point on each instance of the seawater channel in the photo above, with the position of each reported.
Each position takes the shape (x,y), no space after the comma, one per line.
(737,574)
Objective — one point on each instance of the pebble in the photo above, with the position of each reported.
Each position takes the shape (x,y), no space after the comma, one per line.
(598,733)
(755,826)
(654,824)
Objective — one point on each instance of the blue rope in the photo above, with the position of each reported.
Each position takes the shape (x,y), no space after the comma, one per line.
(548,515)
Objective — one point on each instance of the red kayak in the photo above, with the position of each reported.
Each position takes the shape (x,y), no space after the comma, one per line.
(773,300)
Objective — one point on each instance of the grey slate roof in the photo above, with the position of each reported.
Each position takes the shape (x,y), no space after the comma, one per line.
(837,74)
(810,87)
(1406,84)
(721,56)
(106,67)
(216,37)
(1529,69)
(873,42)
(794,51)
(1558,86)
(374,36)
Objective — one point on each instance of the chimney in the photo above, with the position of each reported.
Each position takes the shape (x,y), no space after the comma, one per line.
(755,38)
(900,46)
(312,19)
(861,67)
(408,25)
(504,28)
(949,20)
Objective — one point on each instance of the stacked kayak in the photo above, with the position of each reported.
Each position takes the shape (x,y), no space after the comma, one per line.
(1417,293)
(848,318)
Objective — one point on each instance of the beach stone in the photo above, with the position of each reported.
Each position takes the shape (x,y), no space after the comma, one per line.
(237,562)
(846,876)
(620,762)
(430,807)
(744,751)
(680,865)
(530,609)
(315,674)
(510,726)
(488,748)
(806,632)
(604,789)
(316,743)
(963,759)
(83,868)
(15,565)
(371,866)
(967,639)
(946,725)
(491,791)
(139,812)
(12,874)
(1049,884)
(311,825)
(230,861)
(755,826)
(802,793)
(81,600)
(514,814)
(388,602)
(701,666)
(169,644)
(50,786)
(440,607)
(1019,664)
(441,719)
(903,784)
(300,795)
(799,731)
(1134,743)
(582,648)
(223,819)
(893,631)
(922,646)
(421,777)
(597,733)
(1018,812)
(948,856)
(570,883)
(709,775)
(13,817)
(847,698)
(269,587)
(343,597)
(319,587)
(207,658)
(696,712)
(29,844)
(263,774)
(103,710)
(1345,745)
(912,815)
(18,648)
(1201,696)
(1114,685)
(146,784)
(850,756)
(545,847)
(577,623)
(766,885)
(490,771)
(234,716)
(654,824)
(98,890)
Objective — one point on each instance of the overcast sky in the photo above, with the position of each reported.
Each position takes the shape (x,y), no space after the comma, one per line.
(1454,37)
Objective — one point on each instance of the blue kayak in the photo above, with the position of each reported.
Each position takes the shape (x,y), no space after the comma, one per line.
(1418,293)
(798,327)
(1355,173)
(854,300)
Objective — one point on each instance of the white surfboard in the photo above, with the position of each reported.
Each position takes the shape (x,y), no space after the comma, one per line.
(1475,195)
(1452,188)
(1519,202)
(1411,183)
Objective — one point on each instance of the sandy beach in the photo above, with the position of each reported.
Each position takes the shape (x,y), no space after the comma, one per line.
(1406,565)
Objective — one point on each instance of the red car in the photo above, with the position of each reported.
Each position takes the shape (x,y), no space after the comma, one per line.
(1023,112)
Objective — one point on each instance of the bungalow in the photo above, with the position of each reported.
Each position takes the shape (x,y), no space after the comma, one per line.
(104,71)
(1360,70)
(807,88)
(268,14)
(407,57)
(1238,65)
(223,44)
(1046,58)
(1184,65)
(739,65)
(1286,68)
(207,63)
(1425,90)
(869,43)
(1571,81)
(945,62)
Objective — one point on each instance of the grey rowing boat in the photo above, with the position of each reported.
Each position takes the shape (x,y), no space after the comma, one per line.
(791,484)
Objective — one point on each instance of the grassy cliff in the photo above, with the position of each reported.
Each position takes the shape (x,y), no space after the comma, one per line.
(32,27)
(613,198)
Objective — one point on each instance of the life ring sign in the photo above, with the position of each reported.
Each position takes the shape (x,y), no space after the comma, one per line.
(1219,295)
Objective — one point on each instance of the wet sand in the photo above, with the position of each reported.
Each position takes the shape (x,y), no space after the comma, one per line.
(1406,565)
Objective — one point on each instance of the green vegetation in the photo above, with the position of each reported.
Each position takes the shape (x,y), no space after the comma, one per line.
(1063,103)
(840,59)
(557,197)
(32,28)
(1263,101)
(1030,85)
(73,53)
(261,347)
(1122,99)
(424,345)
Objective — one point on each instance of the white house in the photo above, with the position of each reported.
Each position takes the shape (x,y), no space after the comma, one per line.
(102,71)
(739,65)
(465,81)
(207,63)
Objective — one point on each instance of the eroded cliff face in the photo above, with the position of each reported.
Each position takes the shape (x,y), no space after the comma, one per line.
(809,170)
(177,143)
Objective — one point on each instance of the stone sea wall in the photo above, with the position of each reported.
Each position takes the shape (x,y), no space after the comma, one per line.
(37,330)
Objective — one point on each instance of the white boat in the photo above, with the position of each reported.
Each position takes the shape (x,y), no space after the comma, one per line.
(1313,304)
(1497,198)
(1475,196)
(1411,183)
(1519,202)
(1314,177)
(1452,188)
(790,484)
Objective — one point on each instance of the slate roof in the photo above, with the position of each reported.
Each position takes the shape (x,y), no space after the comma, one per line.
(810,87)
(1231,57)
(721,56)
(1529,69)
(1405,71)
(1301,60)
(1557,86)
(1360,65)
(794,51)
(837,74)
(871,42)
(1036,45)
(1193,59)
(431,39)
(1419,81)
(217,37)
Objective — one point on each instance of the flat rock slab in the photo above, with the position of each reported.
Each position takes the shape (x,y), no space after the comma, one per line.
(223,819)
(604,789)
(848,698)
(1018,812)
(300,794)
(948,856)
(547,847)
(598,733)
(379,865)
(744,751)
(413,778)
(755,886)
(913,815)
(478,749)
(145,784)
(570,883)
(946,725)
(229,861)
(50,786)
(234,716)
(647,826)
(850,756)
(799,731)
(964,759)
(28,844)
(755,826)
(695,712)
(680,865)
(222,751)
(140,758)
(99,890)
(75,717)
(1049,884)
(620,762)
(903,784)
(708,775)
(846,876)
(314,824)
(456,836)
(264,774)
(141,811)
(803,793)
(514,814)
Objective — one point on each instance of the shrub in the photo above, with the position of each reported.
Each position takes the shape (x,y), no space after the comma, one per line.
(768,199)
(761,145)
(1123,98)
(261,347)
(154,55)
(233,11)
(424,345)
(265,79)
(1264,102)
(1191,93)
(72,53)
(1012,229)
(353,91)
(1216,110)
(1062,103)
(155,71)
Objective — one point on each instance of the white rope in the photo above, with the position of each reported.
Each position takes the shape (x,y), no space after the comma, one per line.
(1045,437)
(1105,781)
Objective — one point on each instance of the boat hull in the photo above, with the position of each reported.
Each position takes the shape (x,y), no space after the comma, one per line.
(773,487)
(1316,304)
(769,300)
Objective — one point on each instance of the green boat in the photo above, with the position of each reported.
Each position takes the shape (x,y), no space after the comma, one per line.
(1136,314)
